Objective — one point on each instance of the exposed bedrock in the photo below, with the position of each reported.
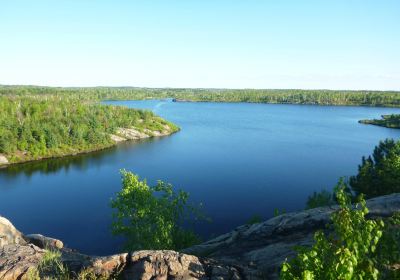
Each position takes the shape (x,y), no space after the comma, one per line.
(248,252)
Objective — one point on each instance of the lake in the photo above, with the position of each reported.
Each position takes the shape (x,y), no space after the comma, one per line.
(237,159)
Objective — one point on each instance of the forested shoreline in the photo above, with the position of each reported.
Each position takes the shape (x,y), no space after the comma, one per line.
(41,122)
(279,96)
(34,127)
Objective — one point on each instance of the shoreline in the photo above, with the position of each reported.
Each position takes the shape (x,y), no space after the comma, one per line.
(387,121)
(176,100)
(115,138)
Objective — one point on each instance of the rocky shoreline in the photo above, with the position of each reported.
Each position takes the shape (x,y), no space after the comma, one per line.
(121,135)
(248,252)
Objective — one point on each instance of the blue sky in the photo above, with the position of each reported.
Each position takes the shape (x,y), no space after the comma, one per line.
(335,44)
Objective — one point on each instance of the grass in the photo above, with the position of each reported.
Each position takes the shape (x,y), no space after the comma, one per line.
(51,267)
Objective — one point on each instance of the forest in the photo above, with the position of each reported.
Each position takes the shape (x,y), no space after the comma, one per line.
(40,122)
(281,96)
(34,127)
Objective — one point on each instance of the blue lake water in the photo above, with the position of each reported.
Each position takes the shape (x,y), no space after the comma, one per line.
(237,159)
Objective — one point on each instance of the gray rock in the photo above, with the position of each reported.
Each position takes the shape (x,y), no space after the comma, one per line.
(260,249)
(44,241)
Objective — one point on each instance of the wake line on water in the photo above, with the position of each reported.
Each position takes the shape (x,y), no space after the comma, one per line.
(158,106)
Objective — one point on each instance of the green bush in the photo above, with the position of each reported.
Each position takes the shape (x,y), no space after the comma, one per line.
(320,199)
(152,217)
(357,248)
(379,174)
(255,219)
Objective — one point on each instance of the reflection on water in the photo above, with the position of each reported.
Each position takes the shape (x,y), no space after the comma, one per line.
(78,162)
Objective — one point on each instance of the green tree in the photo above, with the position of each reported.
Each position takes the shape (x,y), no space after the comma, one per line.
(379,174)
(347,253)
(152,217)
(33,127)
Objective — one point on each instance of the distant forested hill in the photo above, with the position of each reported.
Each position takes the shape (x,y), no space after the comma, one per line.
(285,96)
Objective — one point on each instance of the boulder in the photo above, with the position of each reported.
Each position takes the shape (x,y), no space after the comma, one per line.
(9,234)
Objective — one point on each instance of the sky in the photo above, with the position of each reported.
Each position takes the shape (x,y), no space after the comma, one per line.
(324,44)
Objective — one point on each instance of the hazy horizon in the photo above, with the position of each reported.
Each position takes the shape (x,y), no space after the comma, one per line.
(207,88)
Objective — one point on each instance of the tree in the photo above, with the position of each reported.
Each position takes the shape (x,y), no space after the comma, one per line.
(152,217)
(348,253)
(379,174)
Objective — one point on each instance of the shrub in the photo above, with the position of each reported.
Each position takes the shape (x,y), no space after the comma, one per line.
(347,253)
(320,199)
(255,219)
(152,217)
(379,174)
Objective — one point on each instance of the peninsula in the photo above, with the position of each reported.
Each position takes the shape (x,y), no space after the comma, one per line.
(39,127)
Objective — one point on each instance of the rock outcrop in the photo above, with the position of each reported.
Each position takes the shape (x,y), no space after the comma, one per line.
(124,134)
(16,260)
(21,253)
(3,160)
(260,249)
(248,252)
(143,265)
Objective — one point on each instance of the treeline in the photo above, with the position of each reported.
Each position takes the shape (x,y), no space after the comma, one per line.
(390,121)
(83,93)
(312,97)
(282,96)
(33,127)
